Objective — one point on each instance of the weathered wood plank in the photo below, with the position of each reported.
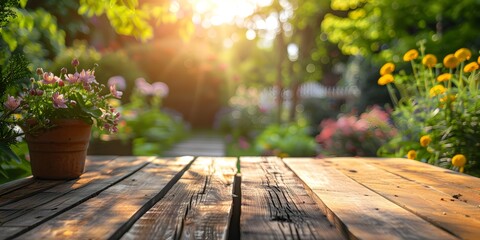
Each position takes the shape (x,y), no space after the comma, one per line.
(15,184)
(465,187)
(356,210)
(275,204)
(22,188)
(197,207)
(42,206)
(106,214)
(430,204)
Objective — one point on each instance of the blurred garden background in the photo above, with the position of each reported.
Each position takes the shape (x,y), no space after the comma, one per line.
(291,78)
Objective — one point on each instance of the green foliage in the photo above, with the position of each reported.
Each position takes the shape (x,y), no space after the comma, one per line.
(152,129)
(14,165)
(447,110)
(7,12)
(155,131)
(244,116)
(390,27)
(88,56)
(36,34)
(13,69)
(290,140)
(128,17)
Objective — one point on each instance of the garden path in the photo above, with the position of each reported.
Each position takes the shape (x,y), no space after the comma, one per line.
(200,143)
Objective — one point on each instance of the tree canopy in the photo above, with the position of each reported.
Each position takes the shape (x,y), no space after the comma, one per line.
(386,29)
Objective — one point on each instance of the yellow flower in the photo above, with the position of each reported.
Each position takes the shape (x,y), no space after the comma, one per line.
(385,79)
(18,116)
(412,154)
(449,97)
(437,90)
(478,60)
(425,140)
(470,67)
(450,61)
(463,54)
(429,60)
(114,102)
(459,160)
(410,55)
(387,68)
(444,77)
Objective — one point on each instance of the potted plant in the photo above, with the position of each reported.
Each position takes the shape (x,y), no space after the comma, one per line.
(56,114)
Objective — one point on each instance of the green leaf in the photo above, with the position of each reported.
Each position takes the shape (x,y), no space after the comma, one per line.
(132,4)
(10,40)
(23,3)
(5,149)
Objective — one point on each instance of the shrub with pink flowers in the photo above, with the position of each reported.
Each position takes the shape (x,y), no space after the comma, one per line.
(152,128)
(350,135)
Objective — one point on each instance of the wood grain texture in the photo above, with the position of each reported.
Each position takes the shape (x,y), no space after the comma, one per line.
(40,206)
(197,207)
(275,204)
(440,179)
(104,215)
(425,201)
(357,211)
(22,188)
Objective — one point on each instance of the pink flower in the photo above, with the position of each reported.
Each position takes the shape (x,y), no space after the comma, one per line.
(329,127)
(49,78)
(160,89)
(114,92)
(119,81)
(87,77)
(346,123)
(59,101)
(12,103)
(143,86)
(73,78)
(361,125)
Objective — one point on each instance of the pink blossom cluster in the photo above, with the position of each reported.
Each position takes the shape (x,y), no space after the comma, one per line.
(12,103)
(357,136)
(60,96)
(155,89)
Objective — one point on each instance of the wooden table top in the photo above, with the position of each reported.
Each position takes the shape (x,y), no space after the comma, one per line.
(205,198)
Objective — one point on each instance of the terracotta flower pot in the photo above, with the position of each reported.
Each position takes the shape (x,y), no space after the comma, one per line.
(59,152)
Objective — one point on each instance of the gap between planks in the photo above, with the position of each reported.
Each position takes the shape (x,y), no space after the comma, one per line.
(111,211)
(198,206)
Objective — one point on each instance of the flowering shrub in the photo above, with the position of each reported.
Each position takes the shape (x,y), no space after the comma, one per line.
(68,96)
(13,70)
(152,128)
(436,110)
(290,140)
(356,136)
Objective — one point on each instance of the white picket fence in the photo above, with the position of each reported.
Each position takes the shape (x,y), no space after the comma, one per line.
(316,90)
